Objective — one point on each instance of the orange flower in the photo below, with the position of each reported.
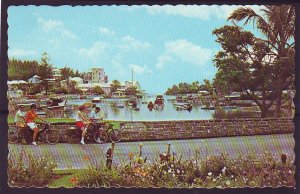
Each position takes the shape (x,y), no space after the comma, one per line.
(86,158)
(130,155)
(74,180)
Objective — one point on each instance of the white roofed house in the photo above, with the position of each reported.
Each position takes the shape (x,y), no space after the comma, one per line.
(89,86)
(57,74)
(76,80)
(133,84)
(13,90)
(35,79)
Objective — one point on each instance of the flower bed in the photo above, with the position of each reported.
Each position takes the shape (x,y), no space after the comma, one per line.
(170,171)
(167,170)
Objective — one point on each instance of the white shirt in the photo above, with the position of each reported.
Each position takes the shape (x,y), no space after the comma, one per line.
(19,115)
(99,115)
(77,118)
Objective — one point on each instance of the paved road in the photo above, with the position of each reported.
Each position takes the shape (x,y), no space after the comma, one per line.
(74,156)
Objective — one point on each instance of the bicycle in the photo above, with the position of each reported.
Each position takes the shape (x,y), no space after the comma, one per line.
(107,131)
(75,133)
(17,134)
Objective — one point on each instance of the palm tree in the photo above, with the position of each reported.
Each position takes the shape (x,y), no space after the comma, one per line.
(115,85)
(277,23)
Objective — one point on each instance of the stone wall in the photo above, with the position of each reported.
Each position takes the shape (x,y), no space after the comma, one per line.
(167,130)
(164,130)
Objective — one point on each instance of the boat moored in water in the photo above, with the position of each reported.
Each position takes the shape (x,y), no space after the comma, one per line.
(120,105)
(96,100)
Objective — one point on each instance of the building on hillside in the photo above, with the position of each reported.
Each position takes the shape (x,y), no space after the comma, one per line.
(85,87)
(127,84)
(14,93)
(56,74)
(98,75)
(132,84)
(35,79)
(77,80)
(118,94)
(13,90)
(87,77)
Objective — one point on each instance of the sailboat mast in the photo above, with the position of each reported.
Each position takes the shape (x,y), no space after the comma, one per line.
(132,77)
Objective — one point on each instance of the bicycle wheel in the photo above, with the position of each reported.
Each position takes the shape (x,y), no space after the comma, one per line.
(73,136)
(52,137)
(13,135)
(103,137)
(115,135)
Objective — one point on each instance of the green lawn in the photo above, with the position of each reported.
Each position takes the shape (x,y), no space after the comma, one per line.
(66,175)
(10,120)
(116,124)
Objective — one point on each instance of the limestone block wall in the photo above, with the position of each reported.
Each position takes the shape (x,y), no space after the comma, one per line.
(168,130)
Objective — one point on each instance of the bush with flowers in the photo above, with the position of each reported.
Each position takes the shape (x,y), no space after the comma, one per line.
(169,170)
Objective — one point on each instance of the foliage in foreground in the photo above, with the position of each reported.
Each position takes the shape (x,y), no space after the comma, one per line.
(171,171)
(25,170)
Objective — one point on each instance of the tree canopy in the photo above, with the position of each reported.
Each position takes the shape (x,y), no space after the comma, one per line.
(21,70)
(115,85)
(253,63)
(277,23)
(186,88)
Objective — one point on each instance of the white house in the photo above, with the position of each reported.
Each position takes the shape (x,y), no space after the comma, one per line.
(132,84)
(16,82)
(34,80)
(77,80)
(56,74)
(88,86)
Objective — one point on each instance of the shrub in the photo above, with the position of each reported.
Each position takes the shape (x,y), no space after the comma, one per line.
(215,171)
(99,177)
(24,170)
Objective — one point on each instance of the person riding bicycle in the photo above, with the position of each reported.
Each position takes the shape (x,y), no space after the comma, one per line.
(30,118)
(97,114)
(20,117)
(82,121)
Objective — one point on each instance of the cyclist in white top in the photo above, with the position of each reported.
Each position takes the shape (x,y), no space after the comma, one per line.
(97,114)
(20,117)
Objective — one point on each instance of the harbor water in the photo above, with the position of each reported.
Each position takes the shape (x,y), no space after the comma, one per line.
(169,111)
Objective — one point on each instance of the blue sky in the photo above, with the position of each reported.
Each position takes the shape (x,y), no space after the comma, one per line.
(165,45)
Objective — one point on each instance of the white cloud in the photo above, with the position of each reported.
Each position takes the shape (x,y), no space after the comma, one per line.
(68,33)
(129,43)
(18,53)
(95,51)
(203,12)
(188,52)
(140,69)
(48,25)
(106,31)
(56,26)
(163,60)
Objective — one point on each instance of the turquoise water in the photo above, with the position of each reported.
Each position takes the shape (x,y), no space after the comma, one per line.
(109,106)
